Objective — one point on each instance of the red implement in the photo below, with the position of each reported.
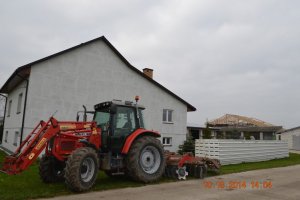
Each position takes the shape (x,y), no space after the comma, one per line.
(179,166)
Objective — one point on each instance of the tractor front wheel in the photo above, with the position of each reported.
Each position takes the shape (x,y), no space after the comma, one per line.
(51,170)
(145,160)
(81,169)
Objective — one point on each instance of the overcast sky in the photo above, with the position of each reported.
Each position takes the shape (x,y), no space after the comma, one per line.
(235,56)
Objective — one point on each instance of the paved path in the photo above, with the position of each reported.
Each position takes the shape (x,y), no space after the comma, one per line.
(278,183)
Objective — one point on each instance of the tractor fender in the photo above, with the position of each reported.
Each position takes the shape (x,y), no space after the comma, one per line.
(136,134)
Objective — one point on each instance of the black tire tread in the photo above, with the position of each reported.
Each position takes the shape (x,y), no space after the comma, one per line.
(47,170)
(133,168)
(72,170)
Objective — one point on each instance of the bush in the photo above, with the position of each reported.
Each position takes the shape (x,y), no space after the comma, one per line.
(187,146)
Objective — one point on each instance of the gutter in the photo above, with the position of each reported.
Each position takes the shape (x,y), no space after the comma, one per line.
(24,108)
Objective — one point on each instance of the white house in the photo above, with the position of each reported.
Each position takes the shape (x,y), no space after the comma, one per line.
(292,136)
(87,74)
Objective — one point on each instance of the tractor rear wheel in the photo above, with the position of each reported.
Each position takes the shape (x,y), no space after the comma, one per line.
(145,160)
(51,170)
(81,169)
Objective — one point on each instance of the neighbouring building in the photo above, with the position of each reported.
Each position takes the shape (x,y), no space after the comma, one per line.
(196,131)
(87,74)
(237,127)
(292,136)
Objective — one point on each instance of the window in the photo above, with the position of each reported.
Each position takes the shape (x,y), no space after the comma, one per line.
(6,136)
(102,119)
(167,141)
(9,108)
(17,135)
(19,103)
(125,121)
(167,116)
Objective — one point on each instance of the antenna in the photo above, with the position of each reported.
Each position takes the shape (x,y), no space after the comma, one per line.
(54,113)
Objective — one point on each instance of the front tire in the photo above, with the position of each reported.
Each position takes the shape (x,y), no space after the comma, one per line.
(51,170)
(81,169)
(145,160)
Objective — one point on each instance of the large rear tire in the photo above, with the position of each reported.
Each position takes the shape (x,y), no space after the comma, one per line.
(81,169)
(145,160)
(51,170)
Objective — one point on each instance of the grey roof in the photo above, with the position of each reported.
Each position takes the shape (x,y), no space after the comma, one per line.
(24,71)
(194,125)
(288,130)
(251,128)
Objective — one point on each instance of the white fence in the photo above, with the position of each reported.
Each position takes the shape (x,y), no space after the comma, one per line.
(296,142)
(238,151)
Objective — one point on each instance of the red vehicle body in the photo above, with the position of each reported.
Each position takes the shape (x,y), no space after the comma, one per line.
(115,141)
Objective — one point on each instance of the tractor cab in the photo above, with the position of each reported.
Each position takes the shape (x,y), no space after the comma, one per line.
(117,120)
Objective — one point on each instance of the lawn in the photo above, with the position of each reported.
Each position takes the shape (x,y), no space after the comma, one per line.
(29,186)
(293,159)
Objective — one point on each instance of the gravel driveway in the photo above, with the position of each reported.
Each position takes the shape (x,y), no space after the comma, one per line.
(279,183)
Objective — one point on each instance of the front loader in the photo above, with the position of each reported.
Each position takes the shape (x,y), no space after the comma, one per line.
(115,142)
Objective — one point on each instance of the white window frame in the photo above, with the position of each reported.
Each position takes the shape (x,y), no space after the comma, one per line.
(169,116)
(167,141)
(9,108)
(17,135)
(20,98)
(6,136)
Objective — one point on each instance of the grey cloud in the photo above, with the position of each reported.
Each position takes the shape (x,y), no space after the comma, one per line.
(233,56)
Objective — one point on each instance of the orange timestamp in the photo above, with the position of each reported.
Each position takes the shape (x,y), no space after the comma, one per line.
(236,184)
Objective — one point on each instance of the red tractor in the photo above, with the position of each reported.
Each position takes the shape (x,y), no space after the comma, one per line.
(115,142)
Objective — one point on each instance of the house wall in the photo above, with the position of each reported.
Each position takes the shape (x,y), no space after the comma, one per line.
(13,122)
(89,75)
(288,136)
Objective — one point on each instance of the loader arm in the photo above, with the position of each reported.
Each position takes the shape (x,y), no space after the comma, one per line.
(31,147)
(39,138)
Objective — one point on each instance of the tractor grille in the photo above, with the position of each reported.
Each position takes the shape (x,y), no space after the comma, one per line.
(67,145)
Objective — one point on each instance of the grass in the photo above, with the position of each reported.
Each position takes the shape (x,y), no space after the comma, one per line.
(293,159)
(28,185)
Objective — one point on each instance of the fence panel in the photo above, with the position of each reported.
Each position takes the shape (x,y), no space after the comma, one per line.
(238,151)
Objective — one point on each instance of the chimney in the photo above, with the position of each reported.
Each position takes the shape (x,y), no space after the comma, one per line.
(148,72)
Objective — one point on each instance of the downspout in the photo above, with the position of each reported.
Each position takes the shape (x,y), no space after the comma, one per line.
(24,109)
(4,113)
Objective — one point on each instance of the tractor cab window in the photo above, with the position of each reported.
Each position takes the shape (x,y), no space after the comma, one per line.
(125,122)
(102,119)
(141,116)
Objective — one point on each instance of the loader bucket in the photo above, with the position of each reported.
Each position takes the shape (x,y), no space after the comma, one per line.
(8,166)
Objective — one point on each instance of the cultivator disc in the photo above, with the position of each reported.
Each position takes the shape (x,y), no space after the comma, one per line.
(181,166)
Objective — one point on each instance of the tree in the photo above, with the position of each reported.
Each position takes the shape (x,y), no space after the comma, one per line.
(207,132)
(220,135)
(247,135)
(187,146)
